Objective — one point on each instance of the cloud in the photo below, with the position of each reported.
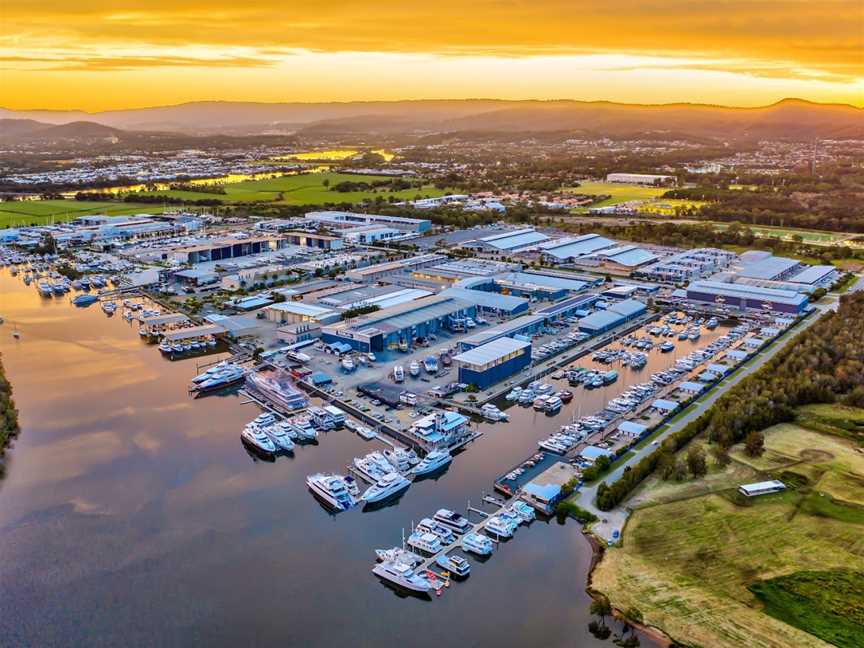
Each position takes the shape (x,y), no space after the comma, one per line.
(97,63)
(797,34)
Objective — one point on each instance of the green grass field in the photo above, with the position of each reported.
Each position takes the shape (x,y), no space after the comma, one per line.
(620,193)
(827,604)
(308,189)
(688,563)
(819,237)
(39,212)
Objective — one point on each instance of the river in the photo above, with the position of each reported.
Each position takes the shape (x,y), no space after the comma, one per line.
(131,514)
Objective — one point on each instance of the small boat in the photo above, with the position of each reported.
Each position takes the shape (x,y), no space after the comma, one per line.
(553,404)
(348,364)
(403,346)
(666,347)
(430,364)
(477,544)
(414,369)
(428,525)
(455,564)
(566,396)
(398,374)
(84,300)
(523,510)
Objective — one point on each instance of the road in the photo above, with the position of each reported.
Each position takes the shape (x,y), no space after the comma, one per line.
(611,521)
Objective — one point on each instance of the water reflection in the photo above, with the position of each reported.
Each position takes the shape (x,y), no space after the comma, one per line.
(132,515)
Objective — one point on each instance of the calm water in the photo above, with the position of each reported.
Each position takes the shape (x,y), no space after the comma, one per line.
(131,514)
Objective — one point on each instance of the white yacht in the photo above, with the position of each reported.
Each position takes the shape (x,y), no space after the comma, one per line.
(402,575)
(553,404)
(453,521)
(428,542)
(433,461)
(281,436)
(477,544)
(523,510)
(499,527)
(401,459)
(256,437)
(332,489)
(373,466)
(398,374)
(455,564)
(109,307)
(398,554)
(386,487)
(414,369)
(348,364)
(428,525)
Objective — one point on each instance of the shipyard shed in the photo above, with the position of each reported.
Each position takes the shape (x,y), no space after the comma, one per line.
(493,362)
(490,302)
(614,315)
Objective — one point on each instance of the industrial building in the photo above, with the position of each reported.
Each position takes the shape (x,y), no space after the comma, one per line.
(818,276)
(379,270)
(745,297)
(510,242)
(620,260)
(605,320)
(401,325)
(292,312)
(380,296)
(567,250)
(698,263)
(492,362)
(311,240)
(453,271)
(650,179)
(490,302)
(524,326)
(538,286)
(224,248)
(762,488)
(768,267)
(342,219)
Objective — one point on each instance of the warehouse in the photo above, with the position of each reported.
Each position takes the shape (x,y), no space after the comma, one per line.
(819,276)
(403,324)
(650,179)
(567,308)
(221,249)
(523,326)
(379,270)
(567,250)
(747,297)
(624,259)
(538,286)
(295,312)
(690,265)
(490,303)
(453,271)
(491,363)
(508,242)
(615,315)
(350,219)
(316,241)
(358,295)
(770,268)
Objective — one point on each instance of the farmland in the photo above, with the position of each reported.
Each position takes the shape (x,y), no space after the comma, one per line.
(619,193)
(701,566)
(19,213)
(304,189)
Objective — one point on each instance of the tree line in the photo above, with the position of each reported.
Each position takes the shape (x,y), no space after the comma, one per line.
(8,416)
(824,364)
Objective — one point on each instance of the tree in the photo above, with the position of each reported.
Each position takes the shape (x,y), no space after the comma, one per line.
(679,470)
(754,444)
(601,607)
(696,462)
(721,455)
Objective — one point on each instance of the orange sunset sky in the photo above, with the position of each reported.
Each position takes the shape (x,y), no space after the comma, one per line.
(98,55)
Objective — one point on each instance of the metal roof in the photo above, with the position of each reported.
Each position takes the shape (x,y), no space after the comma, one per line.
(629,255)
(741,291)
(812,274)
(542,281)
(491,351)
(488,299)
(628,307)
(665,404)
(502,330)
(411,314)
(566,248)
(299,308)
(768,268)
(515,239)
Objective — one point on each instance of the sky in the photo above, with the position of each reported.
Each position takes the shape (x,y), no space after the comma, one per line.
(97,55)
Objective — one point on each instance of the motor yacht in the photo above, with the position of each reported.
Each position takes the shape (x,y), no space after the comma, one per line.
(430,364)
(398,374)
(477,544)
(452,520)
(388,486)
(428,525)
(513,395)
(553,404)
(414,369)
(424,541)
(398,554)
(230,375)
(281,436)
(84,300)
(435,460)
(332,489)
(402,575)
(666,347)
(523,510)
(540,403)
(348,364)
(566,396)
(401,459)
(454,564)
(256,437)
(499,527)
(373,466)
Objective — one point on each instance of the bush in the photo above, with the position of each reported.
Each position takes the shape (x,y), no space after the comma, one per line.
(565,509)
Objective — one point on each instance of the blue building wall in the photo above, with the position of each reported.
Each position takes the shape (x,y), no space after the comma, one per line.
(484,379)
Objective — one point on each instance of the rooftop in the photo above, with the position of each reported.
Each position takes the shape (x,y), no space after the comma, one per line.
(491,351)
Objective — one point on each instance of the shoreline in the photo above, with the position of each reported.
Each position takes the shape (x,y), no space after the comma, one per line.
(657,635)
(9,429)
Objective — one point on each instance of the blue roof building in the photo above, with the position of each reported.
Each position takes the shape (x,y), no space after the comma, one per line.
(491,363)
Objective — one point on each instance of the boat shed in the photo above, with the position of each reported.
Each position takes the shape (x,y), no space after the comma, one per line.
(632,429)
(567,249)
(737,355)
(665,406)
(193,332)
(691,387)
(237,326)
(593,453)
(490,302)
(762,488)
(614,315)
(491,363)
(164,319)
(524,325)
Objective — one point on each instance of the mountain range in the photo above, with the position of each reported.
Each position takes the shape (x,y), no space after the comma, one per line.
(787,119)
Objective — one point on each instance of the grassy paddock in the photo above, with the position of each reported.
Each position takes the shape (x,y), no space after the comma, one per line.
(39,212)
(823,603)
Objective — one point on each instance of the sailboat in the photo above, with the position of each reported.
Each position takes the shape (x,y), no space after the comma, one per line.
(16,333)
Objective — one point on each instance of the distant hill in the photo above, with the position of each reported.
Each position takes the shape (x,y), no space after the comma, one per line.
(787,119)
(28,130)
